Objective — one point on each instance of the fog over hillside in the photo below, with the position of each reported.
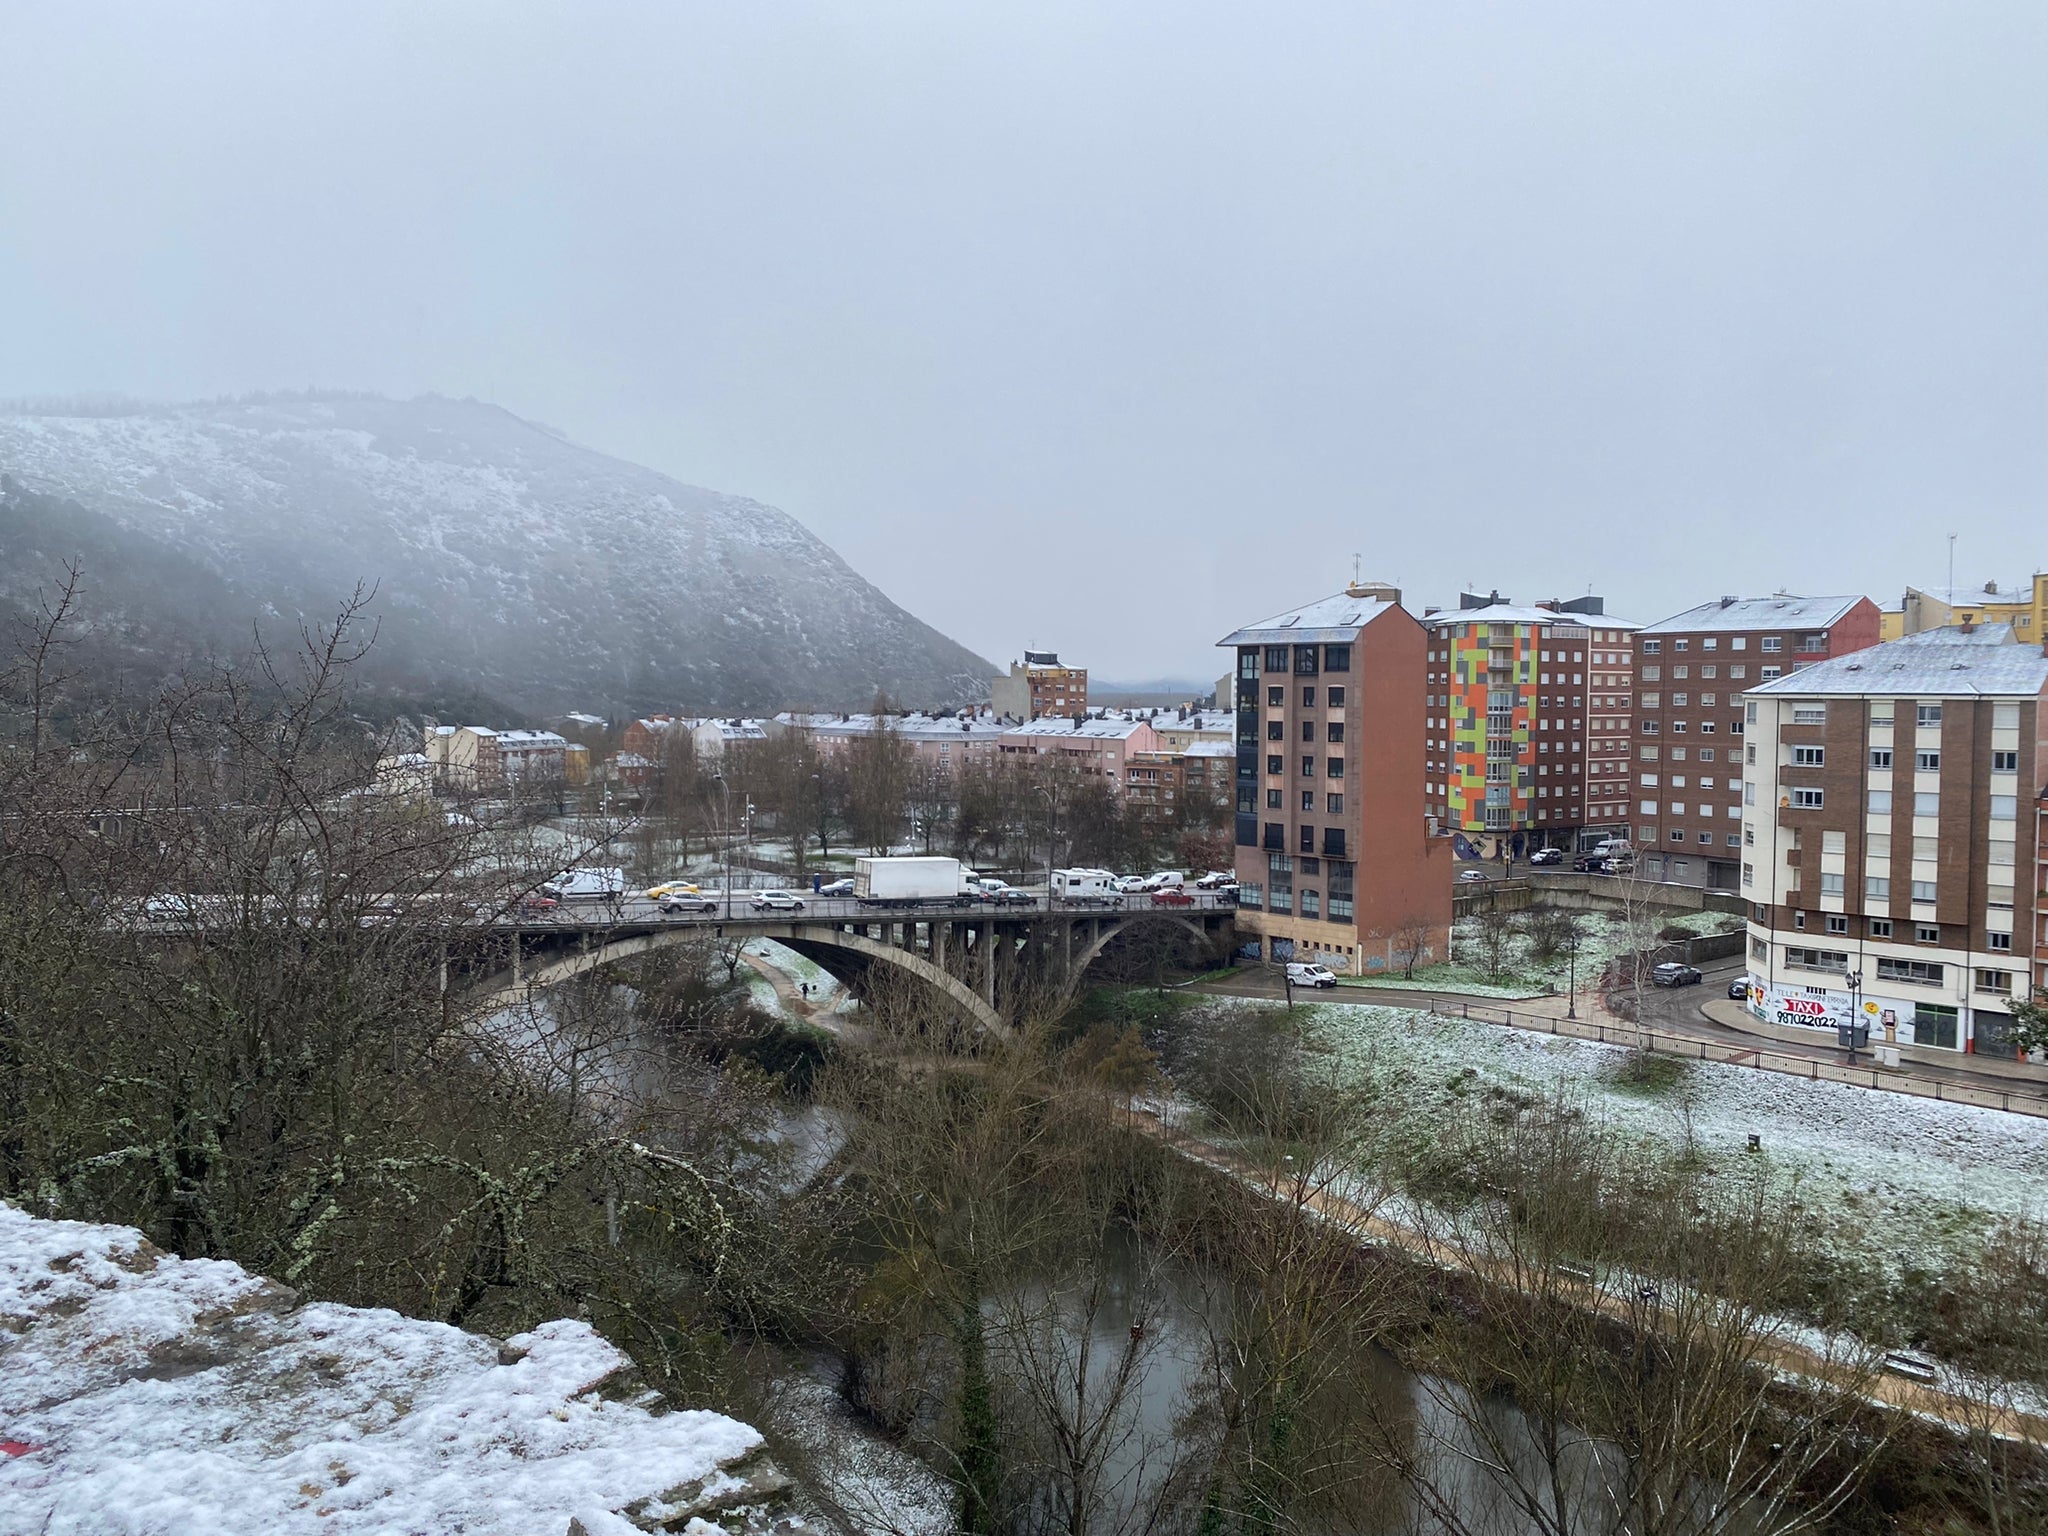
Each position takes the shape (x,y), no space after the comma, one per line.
(507,559)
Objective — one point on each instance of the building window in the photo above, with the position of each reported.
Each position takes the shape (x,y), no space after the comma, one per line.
(2005,762)
(1306,658)
(1809,757)
(1927,714)
(1926,933)
(1308,839)
(1927,762)
(1749,874)
(1273,800)
(1333,805)
(1927,805)
(1923,890)
(1308,802)
(1994,981)
(1308,698)
(1808,799)
(1308,767)
(1801,959)
(1770,644)
(1769,674)
(1276,698)
(1652,647)
(1311,904)
(1276,730)
(1276,658)
(1879,802)
(1678,834)
(2001,942)
(1336,767)
(1276,765)
(1308,730)
(1923,973)
(1336,658)
(1651,728)
(1877,888)
(1809,714)
(1830,885)
(1880,927)
(2004,807)
(1798,919)
(1881,759)
(1837,923)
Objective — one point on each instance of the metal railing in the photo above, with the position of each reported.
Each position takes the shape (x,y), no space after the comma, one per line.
(1760,1057)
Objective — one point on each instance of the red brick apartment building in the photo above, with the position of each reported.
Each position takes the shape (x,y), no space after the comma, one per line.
(1691,671)
(1336,857)
(1889,838)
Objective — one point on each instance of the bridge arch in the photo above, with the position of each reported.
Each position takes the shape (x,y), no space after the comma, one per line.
(1087,956)
(807,941)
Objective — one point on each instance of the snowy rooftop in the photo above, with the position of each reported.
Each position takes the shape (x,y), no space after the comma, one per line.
(531,739)
(1210,749)
(1780,612)
(1331,618)
(1974,597)
(1930,664)
(142,1392)
(1110,728)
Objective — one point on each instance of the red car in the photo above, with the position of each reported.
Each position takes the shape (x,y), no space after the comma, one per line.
(1171,898)
(538,903)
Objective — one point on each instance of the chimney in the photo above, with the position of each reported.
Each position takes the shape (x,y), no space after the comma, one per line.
(1968,626)
(1728,602)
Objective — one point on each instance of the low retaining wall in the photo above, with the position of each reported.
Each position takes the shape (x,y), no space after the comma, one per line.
(1600,893)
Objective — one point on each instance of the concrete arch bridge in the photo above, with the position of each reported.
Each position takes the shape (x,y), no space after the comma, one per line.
(983,964)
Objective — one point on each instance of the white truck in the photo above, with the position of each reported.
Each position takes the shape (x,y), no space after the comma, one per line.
(587,885)
(1085,887)
(913,882)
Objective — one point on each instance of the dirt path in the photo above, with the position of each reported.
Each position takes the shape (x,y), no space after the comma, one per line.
(790,994)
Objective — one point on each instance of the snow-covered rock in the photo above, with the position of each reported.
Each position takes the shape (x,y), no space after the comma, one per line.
(506,557)
(145,1393)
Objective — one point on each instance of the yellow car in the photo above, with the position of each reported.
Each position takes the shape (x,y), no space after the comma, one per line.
(672,888)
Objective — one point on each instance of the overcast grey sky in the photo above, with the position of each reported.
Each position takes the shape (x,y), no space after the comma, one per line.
(1106,327)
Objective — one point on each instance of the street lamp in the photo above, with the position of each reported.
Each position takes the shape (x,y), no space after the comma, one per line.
(1051,832)
(725,837)
(1571,999)
(1855,981)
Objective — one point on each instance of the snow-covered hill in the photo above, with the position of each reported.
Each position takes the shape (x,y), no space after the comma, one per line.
(507,558)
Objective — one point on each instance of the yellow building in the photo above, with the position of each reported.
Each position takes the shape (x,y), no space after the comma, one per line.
(2024,608)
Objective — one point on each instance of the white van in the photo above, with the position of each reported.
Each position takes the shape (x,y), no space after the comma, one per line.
(1084,887)
(1165,880)
(1301,974)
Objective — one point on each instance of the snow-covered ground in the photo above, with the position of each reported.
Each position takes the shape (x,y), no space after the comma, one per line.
(1891,1180)
(1602,938)
(147,1393)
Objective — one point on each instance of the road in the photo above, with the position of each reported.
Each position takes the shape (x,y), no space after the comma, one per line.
(637,911)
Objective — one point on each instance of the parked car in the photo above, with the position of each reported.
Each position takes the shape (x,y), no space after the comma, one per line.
(1302,975)
(777,901)
(840,887)
(672,887)
(1127,885)
(1547,856)
(686,901)
(1589,864)
(1472,876)
(1672,974)
(1010,896)
(1738,989)
(1172,898)
(1216,877)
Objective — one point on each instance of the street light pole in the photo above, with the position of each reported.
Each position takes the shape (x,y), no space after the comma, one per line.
(1855,980)
(725,837)
(1051,834)
(1571,1001)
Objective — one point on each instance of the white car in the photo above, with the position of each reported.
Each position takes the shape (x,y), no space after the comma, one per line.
(1128,885)
(685,901)
(777,901)
(1303,975)
(1472,876)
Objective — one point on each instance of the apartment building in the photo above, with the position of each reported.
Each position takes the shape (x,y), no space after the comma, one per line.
(946,742)
(1518,723)
(1690,673)
(1889,838)
(1336,858)
(1096,746)
(1039,686)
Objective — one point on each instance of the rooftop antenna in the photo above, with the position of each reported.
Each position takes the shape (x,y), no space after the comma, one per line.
(1951,594)
(1354,570)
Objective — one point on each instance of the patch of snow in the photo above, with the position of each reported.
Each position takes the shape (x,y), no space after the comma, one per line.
(170,1395)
